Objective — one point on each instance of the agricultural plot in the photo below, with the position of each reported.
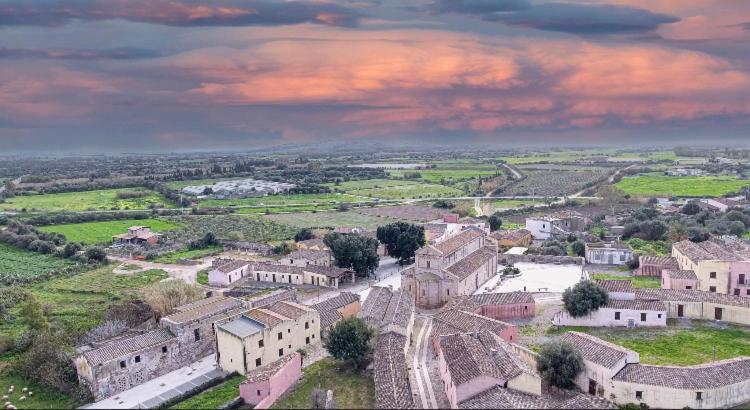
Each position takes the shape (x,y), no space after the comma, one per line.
(251,228)
(330,220)
(173,257)
(18,263)
(415,213)
(553,183)
(409,192)
(102,232)
(449,174)
(285,200)
(666,186)
(106,199)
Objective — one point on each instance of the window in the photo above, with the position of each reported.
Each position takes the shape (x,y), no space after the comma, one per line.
(260,343)
(737,292)
(659,315)
(428,264)
(639,395)
(280,336)
(258,362)
(164,349)
(123,364)
(449,292)
(747,292)
(741,279)
(712,275)
(313,336)
(138,359)
(712,289)
(307,325)
(699,395)
(281,352)
(622,258)
(258,392)
(422,292)
(307,340)
(289,330)
(617,315)
(197,334)
(643,317)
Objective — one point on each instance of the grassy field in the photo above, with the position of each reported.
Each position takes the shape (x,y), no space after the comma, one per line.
(661,185)
(642,247)
(638,281)
(81,201)
(679,346)
(15,262)
(407,191)
(270,200)
(351,389)
(43,398)
(213,397)
(330,220)
(102,232)
(459,173)
(173,257)
(202,277)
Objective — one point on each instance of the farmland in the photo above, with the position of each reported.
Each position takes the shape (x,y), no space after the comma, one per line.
(296,199)
(329,220)
(252,228)
(408,191)
(662,185)
(173,257)
(102,232)
(88,200)
(553,183)
(23,264)
(449,173)
(416,213)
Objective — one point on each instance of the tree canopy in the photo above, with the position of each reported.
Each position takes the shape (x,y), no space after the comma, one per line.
(585,297)
(559,363)
(355,252)
(495,221)
(303,235)
(402,240)
(349,340)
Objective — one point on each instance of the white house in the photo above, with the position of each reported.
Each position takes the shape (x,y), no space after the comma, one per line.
(603,253)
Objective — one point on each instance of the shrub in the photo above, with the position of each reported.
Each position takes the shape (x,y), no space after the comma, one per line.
(163,297)
(559,363)
(95,254)
(579,248)
(303,235)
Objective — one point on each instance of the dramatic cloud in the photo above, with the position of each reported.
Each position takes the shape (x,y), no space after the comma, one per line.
(583,19)
(78,54)
(175,12)
(479,6)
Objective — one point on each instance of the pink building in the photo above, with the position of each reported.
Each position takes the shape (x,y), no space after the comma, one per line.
(739,278)
(501,306)
(678,279)
(452,321)
(654,265)
(266,384)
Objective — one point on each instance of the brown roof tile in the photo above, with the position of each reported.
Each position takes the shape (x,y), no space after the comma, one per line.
(203,309)
(128,345)
(468,265)
(392,387)
(596,350)
(614,285)
(502,398)
(706,376)
(458,241)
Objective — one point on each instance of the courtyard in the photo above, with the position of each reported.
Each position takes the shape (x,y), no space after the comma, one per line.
(535,277)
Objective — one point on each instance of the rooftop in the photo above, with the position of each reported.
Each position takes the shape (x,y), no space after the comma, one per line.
(289,309)
(329,271)
(458,241)
(309,254)
(692,296)
(510,234)
(596,350)
(128,345)
(242,327)
(658,260)
(276,267)
(267,317)
(609,245)
(614,285)
(710,250)
(265,372)
(203,309)
(468,265)
(232,266)
(336,302)
(392,387)
(706,376)
(680,274)
(467,322)
(466,358)
(637,304)
(502,398)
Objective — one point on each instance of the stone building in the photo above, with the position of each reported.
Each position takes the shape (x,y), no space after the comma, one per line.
(137,235)
(335,309)
(457,266)
(694,304)
(186,336)
(307,257)
(263,335)
(226,272)
(608,253)
(452,321)
(509,238)
(678,279)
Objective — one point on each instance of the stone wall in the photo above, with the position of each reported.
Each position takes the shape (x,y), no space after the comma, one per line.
(504,259)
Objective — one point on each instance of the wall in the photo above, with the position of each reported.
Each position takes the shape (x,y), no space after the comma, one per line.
(274,387)
(527,383)
(601,256)
(721,282)
(605,317)
(737,287)
(509,311)
(505,259)
(267,276)
(473,387)
(667,397)
(219,278)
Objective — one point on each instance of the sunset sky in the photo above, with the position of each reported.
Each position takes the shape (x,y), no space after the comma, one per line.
(139,75)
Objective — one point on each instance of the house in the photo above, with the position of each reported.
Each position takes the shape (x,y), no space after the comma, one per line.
(718,204)
(264,385)
(650,265)
(224,272)
(721,267)
(340,307)
(390,375)
(695,304)
(500,306)
(619,313)
(617,289)
(456,266)
(472,363)
(307,257)
(556,224)
(137,235)
(509,238)
(603,360)
(678,279)
(325,276)
(501,398)
(612,253)
(263,335)
(389,311)
(183,337)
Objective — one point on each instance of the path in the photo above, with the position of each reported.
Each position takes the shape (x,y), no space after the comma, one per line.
(421,367)
(188,273)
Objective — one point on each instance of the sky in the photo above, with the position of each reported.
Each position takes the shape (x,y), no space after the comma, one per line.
(151,75)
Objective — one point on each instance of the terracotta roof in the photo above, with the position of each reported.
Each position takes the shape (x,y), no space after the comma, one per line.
(680,274)
(614,285)
(609,245)
(329,317)
(267,317)
(266,372)
(373,308)
(502,398)
(392,387)
(475,260)
(203,309)
(232,266)
(710,250)
(313,242)
(658,260)
(276,267)
(329,271)
(466,358)
(336,302)
(510,234)
(637,304)
(678,295)
(475,302)
(468,322)
(128,345)
(596,350)
(399,310)
(458,241)
(706,376)
(289,309)
(308,254)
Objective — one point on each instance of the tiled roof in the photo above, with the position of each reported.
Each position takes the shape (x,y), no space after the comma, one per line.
(475,302)
(308,254)
(510,234)
(289,309)
(469,322)
(637,304)
(232,266)
(475,260)
(458,241)
(609,245)
(399,310)
(614,285)
(502,398)
(329,317)
(392,387)
(313,242)
(677,295)
(680,274)
(267,317)
(276,267)
(329,271)
(203,309)
(710,250)
(466,358)
(128,345)
(374,307)
(336,302)
(266,372)
(596,350)
(706,376)
(658,260)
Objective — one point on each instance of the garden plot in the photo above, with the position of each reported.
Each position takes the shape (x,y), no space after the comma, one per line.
(536,277)
(554,182)
(406,212)
(330,220)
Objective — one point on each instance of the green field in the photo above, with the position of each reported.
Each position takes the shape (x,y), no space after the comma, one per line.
(215,396)
(283,200)
(102,232)
(408,191)
(638,281)
(678,346)
(20,263)
(459,173)
(662,185)
(43,398)
(351,389)
(173,257)
(88,200)
(643,247)
(330,220)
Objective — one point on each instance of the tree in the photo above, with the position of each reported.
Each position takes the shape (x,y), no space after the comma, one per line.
(95,254)
(32,315)
(70,249)
(163,297)
(282,249)
(611,196)
(579,248)
(349,341)
(401,239)
(355,252)
(585,297)
(559,363)
(677,232)
(303,235)
(495,221)
(691,208)
(653,230)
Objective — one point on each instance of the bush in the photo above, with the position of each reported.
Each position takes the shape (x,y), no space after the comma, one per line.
(579,248)
(349,341)
(585,297)
(691,208)
(495,222)
(559,363)
(95,254)
(303,235)
(163,297)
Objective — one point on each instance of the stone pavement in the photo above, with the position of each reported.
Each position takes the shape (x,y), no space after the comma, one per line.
(164,388)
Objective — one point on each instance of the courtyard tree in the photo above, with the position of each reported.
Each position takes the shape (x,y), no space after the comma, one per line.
(303,235)
(585,297)
(559,363)
(356,252)
(495,221)
(349,341)
(578,247)
(402,240)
